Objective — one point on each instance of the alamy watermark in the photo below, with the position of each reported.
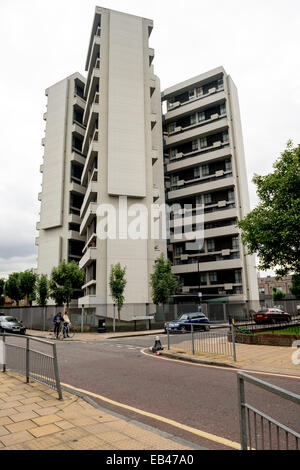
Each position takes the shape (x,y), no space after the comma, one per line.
(157,222)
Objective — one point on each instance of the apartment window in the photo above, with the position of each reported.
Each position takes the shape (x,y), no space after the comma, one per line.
(172,127)
(203,142)
(238,276)
(171,102)
(194,145)
(197,172)
(211,245)
(173,153)
(199,92)
(199,199)
(223,108)
(225,137)
(220,84)
(205,170)
(213,277)
(193,119)
(261,290)
(235,243)
(207,198)
(231,195)
(178,250)
(228,165)
(203,278)
(201,116)
(191,94)
(175,179)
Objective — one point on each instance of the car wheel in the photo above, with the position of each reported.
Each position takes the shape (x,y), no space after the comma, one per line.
(206,328)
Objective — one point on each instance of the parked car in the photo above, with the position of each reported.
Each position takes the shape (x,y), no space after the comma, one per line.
(271,315)
(11,325)
(184,322)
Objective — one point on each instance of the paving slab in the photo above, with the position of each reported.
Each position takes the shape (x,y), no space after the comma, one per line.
(71,423)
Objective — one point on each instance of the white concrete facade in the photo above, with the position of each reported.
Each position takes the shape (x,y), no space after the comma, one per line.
(205,164)
(123,149)
(61,195)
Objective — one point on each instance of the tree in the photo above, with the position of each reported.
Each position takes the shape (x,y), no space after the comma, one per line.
(65,278)
(27,285)
(12,287)
(295,287)
(42,290)
(163,282)
(117,284)
(272,229)
(277,294)
(2,292)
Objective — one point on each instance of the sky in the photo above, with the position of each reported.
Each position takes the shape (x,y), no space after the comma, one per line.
(44,41)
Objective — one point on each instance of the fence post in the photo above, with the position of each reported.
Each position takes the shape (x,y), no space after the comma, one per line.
(56,372)
(168,336)
(192,334)
(4,355)
(27,360)
(233,342)
(242,412)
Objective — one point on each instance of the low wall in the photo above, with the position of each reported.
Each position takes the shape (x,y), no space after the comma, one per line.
(267,339)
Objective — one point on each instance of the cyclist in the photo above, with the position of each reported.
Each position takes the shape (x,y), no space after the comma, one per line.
(57,322)
(67,324)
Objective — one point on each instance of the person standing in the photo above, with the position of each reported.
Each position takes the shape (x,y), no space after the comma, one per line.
(67,324)
(57,322)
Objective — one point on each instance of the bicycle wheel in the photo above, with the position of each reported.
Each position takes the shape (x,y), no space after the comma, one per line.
(60,334)
(71,332)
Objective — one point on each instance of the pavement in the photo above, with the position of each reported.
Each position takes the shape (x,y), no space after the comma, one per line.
(32,418)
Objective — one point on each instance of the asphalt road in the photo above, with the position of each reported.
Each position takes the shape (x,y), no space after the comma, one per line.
(202,397)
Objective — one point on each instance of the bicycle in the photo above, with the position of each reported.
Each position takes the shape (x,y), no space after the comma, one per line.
(66,332)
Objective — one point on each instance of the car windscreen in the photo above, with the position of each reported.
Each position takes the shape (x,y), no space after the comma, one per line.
(9,319)
(183,317)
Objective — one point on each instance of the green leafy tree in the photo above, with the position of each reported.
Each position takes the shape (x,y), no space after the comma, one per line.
(295,287)
(13,289)
(27,285)
(272,229)
(42,290)
(117,284)
(163,282)
(277,294)
(2,292)
(65,278)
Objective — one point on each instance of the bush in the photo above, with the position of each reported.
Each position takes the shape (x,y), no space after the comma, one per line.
(243,330)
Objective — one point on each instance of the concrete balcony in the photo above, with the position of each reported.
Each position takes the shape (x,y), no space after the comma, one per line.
(78,158)
(91,155)
(90,301)
(199,156)
(192,132)
(40,196)
(77,188)
(41,168)
(88,257)
(90,128)
(78,129)
(208,266)
(94,81)
(91,212)
(43,141)
(79,101)
(38,226)
(153,119)
(151,55)
(201,188)
(37,241)
(74,219)
(194,105)
(72,235)
(90,283)
(45,116)
(91,192)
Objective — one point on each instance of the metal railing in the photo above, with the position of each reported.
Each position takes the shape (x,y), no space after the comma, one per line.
(34,358)
(270,327)
(259,431)
(205,342)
